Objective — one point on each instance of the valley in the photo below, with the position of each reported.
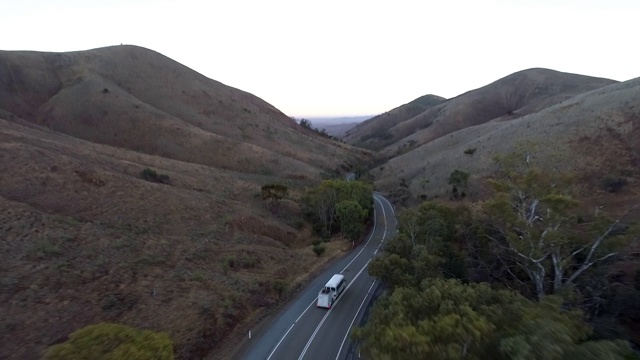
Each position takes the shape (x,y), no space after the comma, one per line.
(132,187)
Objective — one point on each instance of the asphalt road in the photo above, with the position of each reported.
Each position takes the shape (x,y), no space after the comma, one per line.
(303,331)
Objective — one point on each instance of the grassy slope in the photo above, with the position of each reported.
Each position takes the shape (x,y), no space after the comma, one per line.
(373,133)
(138,99)
(508,98)
(595,134)
(86,240)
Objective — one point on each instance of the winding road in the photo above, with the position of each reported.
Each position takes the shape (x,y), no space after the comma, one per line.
(303,331)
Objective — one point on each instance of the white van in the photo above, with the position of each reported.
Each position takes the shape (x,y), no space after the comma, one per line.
(330,292)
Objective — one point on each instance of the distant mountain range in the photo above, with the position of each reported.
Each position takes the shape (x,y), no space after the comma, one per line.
(337,126)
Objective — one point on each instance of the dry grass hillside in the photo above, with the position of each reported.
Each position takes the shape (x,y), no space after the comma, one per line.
(511,97)
(138,99)
(594,135)
(85,239)
(197,253)
(374,132)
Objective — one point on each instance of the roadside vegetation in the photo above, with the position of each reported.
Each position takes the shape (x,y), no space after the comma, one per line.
(108,341)
(339,206)
(530,273)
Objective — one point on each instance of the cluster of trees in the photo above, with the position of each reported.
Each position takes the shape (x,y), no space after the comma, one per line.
(446,319)
(519,276)
(306,123)
(339,206)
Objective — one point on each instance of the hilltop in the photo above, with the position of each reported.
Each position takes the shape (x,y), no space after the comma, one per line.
(594,135)
(138,99)
(511,97)
(373,132)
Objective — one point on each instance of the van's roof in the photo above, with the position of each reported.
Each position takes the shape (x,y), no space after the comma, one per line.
(335,280)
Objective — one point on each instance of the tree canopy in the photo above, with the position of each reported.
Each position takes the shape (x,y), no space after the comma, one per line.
(321,206)
(446,319)
(517,276)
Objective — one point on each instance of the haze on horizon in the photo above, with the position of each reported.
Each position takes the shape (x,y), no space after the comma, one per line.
(345,58)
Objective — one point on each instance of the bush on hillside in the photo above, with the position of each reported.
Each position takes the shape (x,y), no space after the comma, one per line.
(613,184)
(459,180)
(152,176)
(113,341)
(319,249)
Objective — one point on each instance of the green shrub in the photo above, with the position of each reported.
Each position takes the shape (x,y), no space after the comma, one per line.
(152,176)
(274,192)
(319,249)
(459,180)
(280,286)
(242,261)
(107,341)
(613,184)
(44,249)
(298,224)
(470,151)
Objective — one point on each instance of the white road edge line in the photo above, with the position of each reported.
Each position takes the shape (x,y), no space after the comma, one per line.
(345,268)
(304,351)
(354,319)
(274,349)
(375,223)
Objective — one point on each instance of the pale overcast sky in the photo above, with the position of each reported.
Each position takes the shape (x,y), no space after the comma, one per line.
(349,57)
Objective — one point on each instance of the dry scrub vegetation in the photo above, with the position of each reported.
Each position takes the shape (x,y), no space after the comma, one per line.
(511,97)
(86,239)
(130,193)
(138,99)
(130,185)
(594,135)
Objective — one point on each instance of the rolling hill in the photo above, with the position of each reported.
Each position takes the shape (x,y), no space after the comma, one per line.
(131,193)
(138,99)
(594,135)
(373,132)
(89,236)
(511,97)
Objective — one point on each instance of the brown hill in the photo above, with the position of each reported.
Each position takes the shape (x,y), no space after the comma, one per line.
(375,131)
(511,97)
(595,135)
(85,239)
(138,99)
(196,253)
